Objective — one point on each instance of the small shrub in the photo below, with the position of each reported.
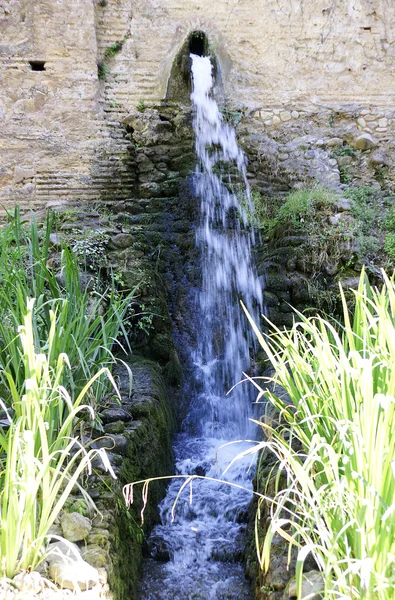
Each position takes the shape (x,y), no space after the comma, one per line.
(102,70)
(112,50)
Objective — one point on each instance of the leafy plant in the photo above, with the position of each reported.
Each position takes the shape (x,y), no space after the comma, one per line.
(114,49)
(40,458)
(85,326)
(335,444)
(389,245)
(141,108)
(102,70)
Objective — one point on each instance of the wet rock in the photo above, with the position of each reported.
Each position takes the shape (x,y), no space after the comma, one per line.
(350,283)
(312,586)
(225,551)
(74,574)
(99,537)
(75,526)
(158,549)
(365,142)
(110,415)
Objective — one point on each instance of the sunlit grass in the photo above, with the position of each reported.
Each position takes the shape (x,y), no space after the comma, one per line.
(41,459)
(336,444)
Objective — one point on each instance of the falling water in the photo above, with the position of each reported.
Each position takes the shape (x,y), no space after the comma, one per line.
(204,542)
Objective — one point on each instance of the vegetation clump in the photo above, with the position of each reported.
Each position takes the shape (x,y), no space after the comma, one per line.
(335,487)
(57,340)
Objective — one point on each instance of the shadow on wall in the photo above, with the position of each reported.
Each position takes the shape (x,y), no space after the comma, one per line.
(180,82)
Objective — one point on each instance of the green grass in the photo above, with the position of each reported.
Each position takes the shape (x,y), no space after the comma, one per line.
(336,444)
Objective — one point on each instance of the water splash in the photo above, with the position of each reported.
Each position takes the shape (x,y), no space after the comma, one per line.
(206,539)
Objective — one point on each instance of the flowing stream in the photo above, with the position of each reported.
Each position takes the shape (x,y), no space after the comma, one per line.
(200,541)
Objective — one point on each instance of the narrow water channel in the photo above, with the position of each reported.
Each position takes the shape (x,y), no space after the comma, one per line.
(200,550)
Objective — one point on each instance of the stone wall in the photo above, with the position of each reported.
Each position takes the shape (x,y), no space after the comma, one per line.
(61,131)
(57,142)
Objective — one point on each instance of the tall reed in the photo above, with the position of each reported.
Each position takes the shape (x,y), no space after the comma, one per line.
(336,444)
(88,324)
(40,459)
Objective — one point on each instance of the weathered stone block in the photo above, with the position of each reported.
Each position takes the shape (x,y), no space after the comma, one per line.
(75,526)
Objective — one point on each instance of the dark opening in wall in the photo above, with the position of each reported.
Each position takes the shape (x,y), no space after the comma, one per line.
(37,65)
(198,43)
(179,86)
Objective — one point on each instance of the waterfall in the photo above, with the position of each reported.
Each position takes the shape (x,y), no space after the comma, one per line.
(206,538)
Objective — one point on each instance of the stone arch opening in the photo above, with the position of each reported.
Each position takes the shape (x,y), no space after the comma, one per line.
(198,43)
(179,87)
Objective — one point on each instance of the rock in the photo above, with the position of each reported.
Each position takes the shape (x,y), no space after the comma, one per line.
(74,574)
(115,427)
(340,216)
(365,142)
(383,122)
(29,583)
(276,120)
(158,549)
(20,174)
(285,116)
(334,142)
(116,443)
(121,241)
(302,142)
(61,551)
(312,586)
(350,283)
(343,161)
(95,556)
(110,415)
(56,240)
(342,205)
(361,122)
(75,527)
(379,159)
